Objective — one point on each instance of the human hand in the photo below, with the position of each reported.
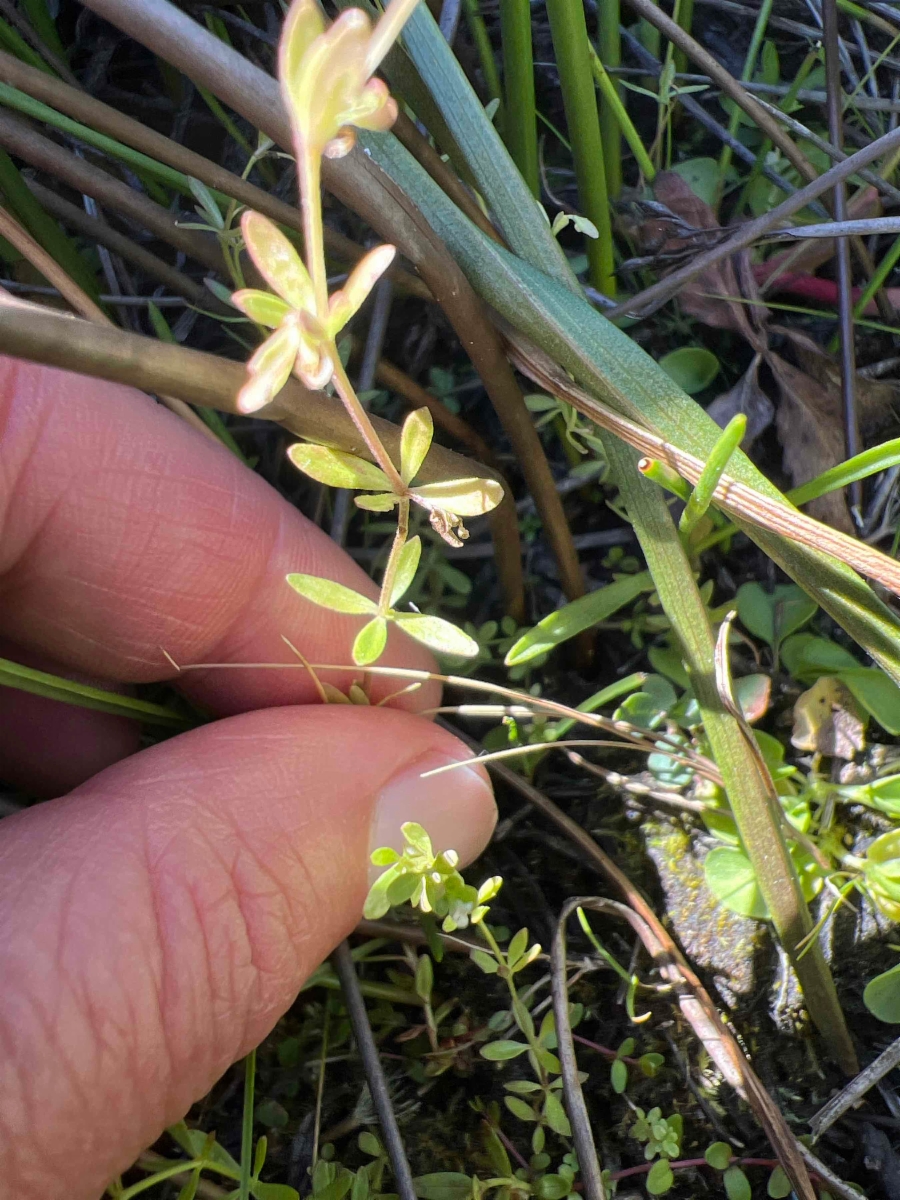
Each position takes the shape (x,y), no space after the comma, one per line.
(157,921)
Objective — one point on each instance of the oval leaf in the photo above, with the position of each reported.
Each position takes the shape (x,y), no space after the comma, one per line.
(882,996)
(878,694)
(328,594)
(502,1051)
(574,618)
(737,1185)
(261,307)
(719,1155)
(443,1185)
(370,642)
(406,569)
(277,261)
(660,1177)
(773,615)
(464,497)
(336,468)
(437,634)
(415,442)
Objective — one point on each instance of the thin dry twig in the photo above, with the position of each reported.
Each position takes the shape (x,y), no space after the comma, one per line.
(855,1090)
(658,294)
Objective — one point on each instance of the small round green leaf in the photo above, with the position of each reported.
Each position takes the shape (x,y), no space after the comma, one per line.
(553,1187)
(779,1185)
(693,368)
(732,880)
(406,569)
(370,642)
(737,1185)
(618,1075)
(719,1155)
(660,1178)
(773,615)
(882,996)
(328,594)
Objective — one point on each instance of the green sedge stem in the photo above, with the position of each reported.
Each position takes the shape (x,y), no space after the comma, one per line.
(759,32)
(478,30)
(612,108)
(570,42)
(665,477)
(612,103)
(685,19)
(393,562)
(519,119)
(247,1125)
(701,496)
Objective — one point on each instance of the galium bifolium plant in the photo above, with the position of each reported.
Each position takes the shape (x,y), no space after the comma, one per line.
(329,88)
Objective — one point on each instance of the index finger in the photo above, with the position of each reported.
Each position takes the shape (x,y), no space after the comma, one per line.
(123,533)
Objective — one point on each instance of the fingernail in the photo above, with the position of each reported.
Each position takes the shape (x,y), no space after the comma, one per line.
(456,809)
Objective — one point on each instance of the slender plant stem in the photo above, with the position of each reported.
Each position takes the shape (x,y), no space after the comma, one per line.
(309,176)
(519,118)
(247,1125)
(612,102)
(570,43)
(478,30)
(759,32)
(612,107)
(344,389)
(393,562)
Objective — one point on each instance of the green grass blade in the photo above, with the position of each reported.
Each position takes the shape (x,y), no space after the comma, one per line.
(861,466)
(519,119)
(54,687)
(478,30)
(44,25)
(573,58)
(12,40)
(613,105)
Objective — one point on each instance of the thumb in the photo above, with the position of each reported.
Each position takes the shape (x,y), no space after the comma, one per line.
(157,921)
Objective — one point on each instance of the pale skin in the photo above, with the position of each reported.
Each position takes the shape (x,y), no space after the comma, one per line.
(160,913)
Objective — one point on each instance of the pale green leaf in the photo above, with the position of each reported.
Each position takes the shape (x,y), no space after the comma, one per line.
(618,1076)
(878,694)
(443,1185)
(277,261)
(415,442)
(660,1177)
(336,468)
(437,634)
(779,1186)
(383,502)
(737,1185)
(328,594)
(502,1051)
(406,569)
(773,615)
(555,1115)
(464,497)
(519,1108)
(574,618)
(261,307)
(370,642)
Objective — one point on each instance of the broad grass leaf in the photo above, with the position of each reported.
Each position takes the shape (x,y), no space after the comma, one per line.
(882,996)
(464,497)
(437,634)
(370,642)
(574,618)
(328,594)
(693,368)
(336,468)
(406,569)
(415,442)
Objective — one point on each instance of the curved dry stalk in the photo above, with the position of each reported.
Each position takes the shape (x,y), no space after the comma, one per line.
(98,231)
(741,502)
(79,300)
(653,297)
(19,138)
(44,336)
